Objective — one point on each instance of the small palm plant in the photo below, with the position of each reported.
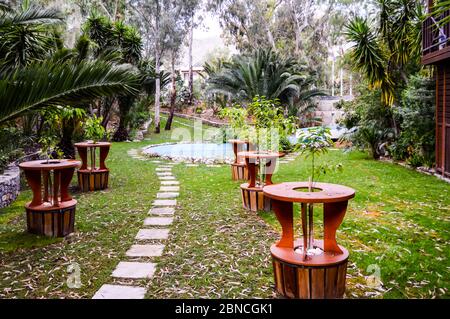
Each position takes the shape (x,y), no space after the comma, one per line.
(313,143)
(49,147)
(93,129)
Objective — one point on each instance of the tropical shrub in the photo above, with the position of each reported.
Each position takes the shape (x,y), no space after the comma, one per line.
(417,117)
(263,73)
(369,122)
(93,129)
(12,145)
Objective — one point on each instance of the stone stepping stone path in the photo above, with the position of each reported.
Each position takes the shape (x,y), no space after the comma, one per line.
(167,195)
(134,153)
(152,234)
(149,241)
(164,173)
(166,178)
(120,292)
(134,270)
(165,183)
(169,188)
(162,211)
(158,221)
(145,251)
(191,165)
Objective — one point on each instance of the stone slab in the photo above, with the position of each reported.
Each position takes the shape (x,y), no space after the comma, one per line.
(166,183)
(163,169)
(145,251)
(152,234)
(127,269)
(169,188)
(158,221)
(165,202)
(167,178)
(120,292)
(164,174)
(162,210)
(167,195)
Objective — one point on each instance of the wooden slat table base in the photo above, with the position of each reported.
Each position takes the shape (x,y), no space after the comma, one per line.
(53,223)
(92,180)
(253,199)
(305,282)
(239,172)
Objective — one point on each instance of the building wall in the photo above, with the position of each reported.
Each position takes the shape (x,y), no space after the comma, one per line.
(443,117)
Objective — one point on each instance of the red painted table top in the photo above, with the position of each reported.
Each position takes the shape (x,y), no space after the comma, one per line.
(52,165)
(327,193)
(90,144)
(258,155)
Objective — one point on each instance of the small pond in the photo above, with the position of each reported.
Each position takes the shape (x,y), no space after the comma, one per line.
(193,151)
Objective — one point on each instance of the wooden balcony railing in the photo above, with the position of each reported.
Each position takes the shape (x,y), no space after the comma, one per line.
(434,37)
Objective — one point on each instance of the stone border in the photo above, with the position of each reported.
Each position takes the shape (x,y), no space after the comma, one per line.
(9,185)
(190,117)
(183,159)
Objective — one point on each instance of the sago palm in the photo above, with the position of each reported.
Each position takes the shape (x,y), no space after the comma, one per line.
(383,53)
(43,85)
(264,73)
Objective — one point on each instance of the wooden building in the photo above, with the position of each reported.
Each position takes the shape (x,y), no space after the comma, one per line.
(436,51)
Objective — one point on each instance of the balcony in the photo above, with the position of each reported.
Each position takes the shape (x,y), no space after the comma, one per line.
(435,40)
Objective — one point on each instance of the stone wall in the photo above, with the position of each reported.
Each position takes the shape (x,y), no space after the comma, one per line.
(190,117)
(326,109)
(9,185)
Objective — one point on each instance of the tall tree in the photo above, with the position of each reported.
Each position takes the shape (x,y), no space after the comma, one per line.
(156,18)
(387,49)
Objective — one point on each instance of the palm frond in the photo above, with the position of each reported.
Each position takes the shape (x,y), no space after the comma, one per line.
(33,15)
(48,84)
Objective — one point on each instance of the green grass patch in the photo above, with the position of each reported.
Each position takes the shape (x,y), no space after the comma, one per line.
(397,223)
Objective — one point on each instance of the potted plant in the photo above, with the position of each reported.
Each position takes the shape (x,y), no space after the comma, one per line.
(93,129)
(50,149)
(313,143)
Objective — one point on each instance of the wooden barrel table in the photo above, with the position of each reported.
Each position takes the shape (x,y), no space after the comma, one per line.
(253,198)
(52,210)
(309,277)
(238,168)
(90,176)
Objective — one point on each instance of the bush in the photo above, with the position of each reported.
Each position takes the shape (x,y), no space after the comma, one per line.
(12,144)
(138,115)
(416,115)
(369,122)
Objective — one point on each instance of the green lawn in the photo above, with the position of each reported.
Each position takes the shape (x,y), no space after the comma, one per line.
(398,222)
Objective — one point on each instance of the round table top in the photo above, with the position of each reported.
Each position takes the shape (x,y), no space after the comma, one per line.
(91,144)
(325,193)
(237,142)
(257,155)
(52,164)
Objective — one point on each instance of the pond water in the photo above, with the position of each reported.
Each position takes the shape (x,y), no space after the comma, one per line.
(198,151)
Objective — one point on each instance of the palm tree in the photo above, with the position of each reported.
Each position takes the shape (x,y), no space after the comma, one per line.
(42,85)
(42,82)
(383,54)
(264,73)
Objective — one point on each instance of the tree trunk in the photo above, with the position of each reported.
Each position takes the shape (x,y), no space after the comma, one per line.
(173,94)
(332,78)
(157,70)
(191,74)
